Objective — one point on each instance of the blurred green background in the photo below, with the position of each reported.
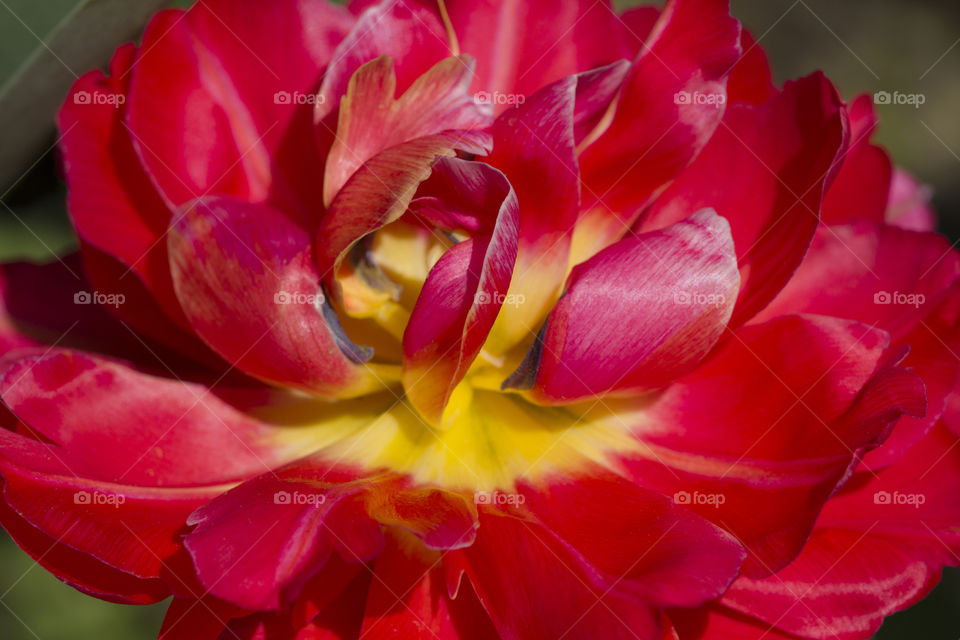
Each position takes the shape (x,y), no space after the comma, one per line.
(911,46)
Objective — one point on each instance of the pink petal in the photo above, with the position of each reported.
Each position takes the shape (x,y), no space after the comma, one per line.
(247,282)
(909,204)
(460,300)
(674,288)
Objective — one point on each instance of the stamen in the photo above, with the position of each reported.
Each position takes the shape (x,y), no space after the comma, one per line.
(451,34)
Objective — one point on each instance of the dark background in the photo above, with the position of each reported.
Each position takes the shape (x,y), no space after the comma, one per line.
(911,46)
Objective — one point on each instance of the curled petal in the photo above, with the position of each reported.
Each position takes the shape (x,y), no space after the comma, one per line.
(674,288)
(246,280)
(373,119)
(460,301)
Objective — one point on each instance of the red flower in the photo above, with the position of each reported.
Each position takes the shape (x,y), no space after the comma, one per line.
(520,320)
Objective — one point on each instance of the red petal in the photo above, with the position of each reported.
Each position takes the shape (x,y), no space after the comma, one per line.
(692,48)
(638,542)
(116,460)
(761,459)
(112,203)
(216,106)
(380,192)
(872,273)
(408,599)
(862,185)
(551,597)
(675,288)
(247,282)
(259,544)
(765,171)
(534,146)
(879,547)
(373,119)
(410,34)
(751,79)
(514,61)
